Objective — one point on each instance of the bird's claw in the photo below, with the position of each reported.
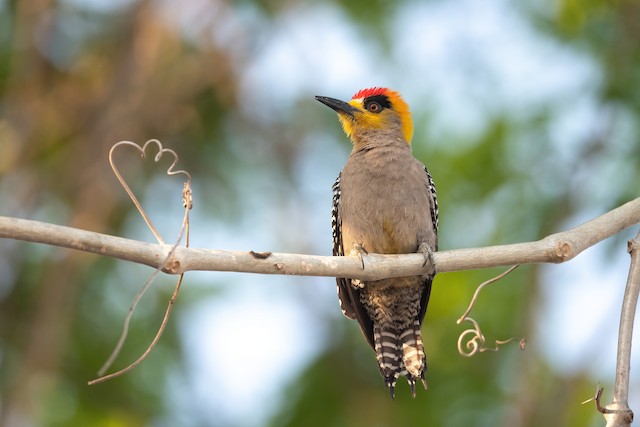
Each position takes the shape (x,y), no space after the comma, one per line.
(359,251)
(427,253)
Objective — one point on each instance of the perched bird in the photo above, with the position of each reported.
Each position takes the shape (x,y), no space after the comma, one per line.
(384,201)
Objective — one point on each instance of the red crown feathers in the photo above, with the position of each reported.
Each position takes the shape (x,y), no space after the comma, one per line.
(365,93)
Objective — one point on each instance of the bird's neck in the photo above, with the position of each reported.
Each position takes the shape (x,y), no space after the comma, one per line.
(364,140)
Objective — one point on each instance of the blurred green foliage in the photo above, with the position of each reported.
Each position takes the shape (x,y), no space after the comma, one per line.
(76,79)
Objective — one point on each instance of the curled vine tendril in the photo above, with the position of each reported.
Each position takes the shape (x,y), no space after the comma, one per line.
(475,340)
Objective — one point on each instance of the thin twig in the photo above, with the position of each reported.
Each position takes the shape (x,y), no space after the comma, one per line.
(596,399)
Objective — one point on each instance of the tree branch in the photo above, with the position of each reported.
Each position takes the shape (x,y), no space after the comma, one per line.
(555,248)
(618,413)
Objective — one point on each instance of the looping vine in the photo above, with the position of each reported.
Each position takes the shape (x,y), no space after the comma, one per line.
(187,203)
(476,340)
(170,171)
(477,343)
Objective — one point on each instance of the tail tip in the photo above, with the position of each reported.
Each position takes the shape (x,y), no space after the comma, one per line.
(412,386)
(424,381)
(390,382)
(412,383)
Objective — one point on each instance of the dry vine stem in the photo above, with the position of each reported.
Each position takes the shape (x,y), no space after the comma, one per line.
(187,202)
(477,343)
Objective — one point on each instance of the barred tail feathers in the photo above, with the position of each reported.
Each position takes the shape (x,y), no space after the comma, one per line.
(387,348)
(413,350)
(400,353)
(413,356)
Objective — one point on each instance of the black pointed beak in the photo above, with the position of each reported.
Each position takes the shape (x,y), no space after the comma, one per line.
(337,105)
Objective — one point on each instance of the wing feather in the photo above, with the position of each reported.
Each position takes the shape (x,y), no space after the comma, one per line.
(344,296)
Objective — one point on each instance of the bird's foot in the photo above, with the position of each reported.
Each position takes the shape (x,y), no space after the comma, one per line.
(427,253)
(357,284)
(359,251)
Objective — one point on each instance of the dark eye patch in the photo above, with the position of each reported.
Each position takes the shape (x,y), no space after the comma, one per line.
(377,103)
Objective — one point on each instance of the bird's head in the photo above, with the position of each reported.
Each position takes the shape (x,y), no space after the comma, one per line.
(373,109)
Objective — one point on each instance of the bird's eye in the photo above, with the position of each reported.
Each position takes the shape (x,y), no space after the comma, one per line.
(374,107)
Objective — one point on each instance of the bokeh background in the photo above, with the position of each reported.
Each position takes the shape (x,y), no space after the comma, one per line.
(527,115)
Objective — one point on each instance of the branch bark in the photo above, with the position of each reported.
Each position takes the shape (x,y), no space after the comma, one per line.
(618,413)
(555,248)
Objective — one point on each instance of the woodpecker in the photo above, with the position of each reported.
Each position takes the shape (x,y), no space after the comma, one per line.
(384,201)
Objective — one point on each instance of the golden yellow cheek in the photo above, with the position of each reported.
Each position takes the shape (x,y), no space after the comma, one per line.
(362,121)
(372,121)
(347,124)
